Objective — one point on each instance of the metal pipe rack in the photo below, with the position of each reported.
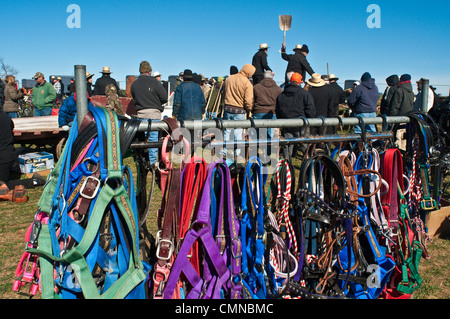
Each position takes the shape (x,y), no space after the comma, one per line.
(153,125)
(148,125)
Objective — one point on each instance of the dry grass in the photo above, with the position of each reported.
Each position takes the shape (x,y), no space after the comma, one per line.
(16,218)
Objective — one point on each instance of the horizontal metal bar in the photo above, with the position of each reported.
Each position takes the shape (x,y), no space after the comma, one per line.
(147,125)
(278,142)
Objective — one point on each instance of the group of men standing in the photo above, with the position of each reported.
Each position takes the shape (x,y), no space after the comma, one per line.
(252,92)
(299,98)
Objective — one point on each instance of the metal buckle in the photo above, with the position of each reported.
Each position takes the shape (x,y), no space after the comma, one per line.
(237,240)
(95,190)
(428,204)
(158,247)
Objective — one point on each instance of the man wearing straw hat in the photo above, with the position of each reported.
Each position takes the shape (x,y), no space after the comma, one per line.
(103,81)
(323,101)
(259,61)
(89,78)
(297,62)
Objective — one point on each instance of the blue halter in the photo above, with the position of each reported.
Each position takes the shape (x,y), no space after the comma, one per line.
(252,230)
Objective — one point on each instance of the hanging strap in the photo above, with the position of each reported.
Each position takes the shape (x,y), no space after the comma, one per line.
(217,279)
(113,190)
(192,183)
(252,230)
(409,250)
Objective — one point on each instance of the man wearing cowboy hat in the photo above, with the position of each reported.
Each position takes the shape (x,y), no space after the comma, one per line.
(297,62)
(338,95)
(89,78)
(103,81)
(322,100)
(336,89)
(157,76)
(57,86)
(259,61)
(43,96)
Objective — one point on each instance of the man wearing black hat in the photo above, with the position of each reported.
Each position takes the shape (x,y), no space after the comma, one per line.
(233,70)
(103,81)
(259,61)
(363,101)
(189,100)
(403,99)
(297,62)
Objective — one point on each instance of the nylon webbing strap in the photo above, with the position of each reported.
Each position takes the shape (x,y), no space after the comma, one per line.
(78,255)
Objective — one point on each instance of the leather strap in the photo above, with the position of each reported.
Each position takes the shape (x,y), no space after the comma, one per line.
(220,272)
(322,207)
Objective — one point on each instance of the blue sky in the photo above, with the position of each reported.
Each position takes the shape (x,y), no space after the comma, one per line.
(210,36)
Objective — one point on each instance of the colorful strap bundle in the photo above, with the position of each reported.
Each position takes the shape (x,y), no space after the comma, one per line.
(89,247)
(370,257)
(221,263)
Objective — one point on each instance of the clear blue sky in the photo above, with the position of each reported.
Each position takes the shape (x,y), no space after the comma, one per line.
(210,36)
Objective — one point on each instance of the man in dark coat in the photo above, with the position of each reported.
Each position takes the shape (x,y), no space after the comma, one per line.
(337,92)
(149,98)
(297,62)
(392,82)
(323,100)
(9,165)
(189,100)
(259,61)
(294,102)
(339,97)
(103,81)
(89,78)
(2,91)
(403,99)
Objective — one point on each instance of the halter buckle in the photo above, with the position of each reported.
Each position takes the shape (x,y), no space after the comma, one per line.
(91,191)
(160,240)
(428,204)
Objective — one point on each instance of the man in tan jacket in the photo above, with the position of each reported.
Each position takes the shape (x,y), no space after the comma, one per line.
(238,101)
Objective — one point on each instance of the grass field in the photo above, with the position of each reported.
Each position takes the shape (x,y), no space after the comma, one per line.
(16,218)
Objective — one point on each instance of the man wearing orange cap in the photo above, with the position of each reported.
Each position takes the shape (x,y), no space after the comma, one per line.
(296,78)
(294,102)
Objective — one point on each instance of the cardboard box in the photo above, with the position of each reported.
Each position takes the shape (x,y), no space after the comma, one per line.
(44,173)
(35,162)
(438,222)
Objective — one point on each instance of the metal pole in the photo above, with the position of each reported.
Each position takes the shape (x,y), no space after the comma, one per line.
(81,90)
(425,88)
(279,123)
(278,142)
